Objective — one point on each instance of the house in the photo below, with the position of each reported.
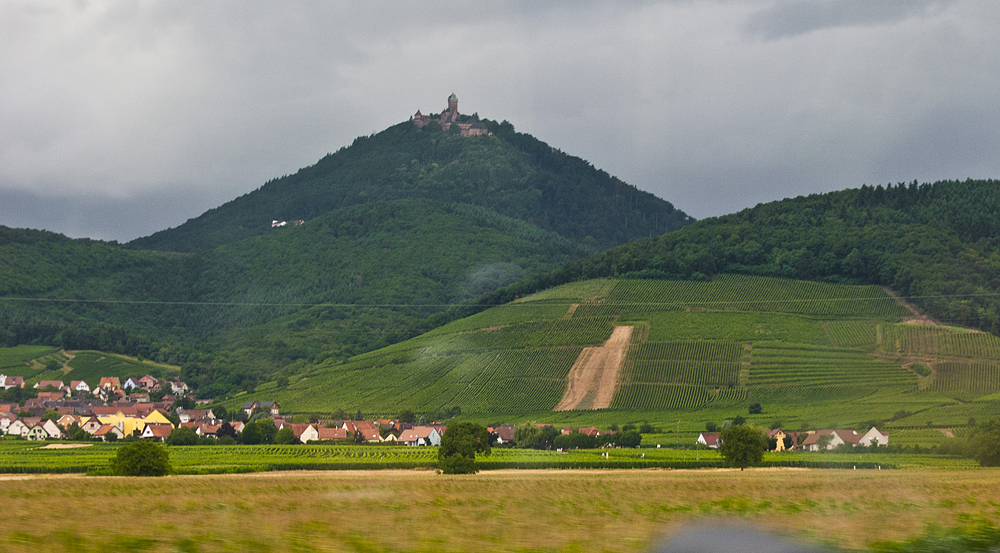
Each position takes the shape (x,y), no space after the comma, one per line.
(9,382)
(52,429)
(50,396)
(18,428)
(6,418)
(68,420)
(92,425)
(778,435)
(189,415)
(710,439)
(324,434)
(420,435)
(110,383)
(100,393)
(505,434)
(836,438)
(251,406)
(156,432)
(79,386)
(104,431)
(36,433)
(130,384)
(874,437)
(178,387)
(54,384)
(368,429)
(304,432)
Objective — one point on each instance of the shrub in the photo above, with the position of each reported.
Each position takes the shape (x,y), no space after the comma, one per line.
(141,458)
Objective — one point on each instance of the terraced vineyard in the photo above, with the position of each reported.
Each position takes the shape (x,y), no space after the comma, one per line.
(940,341)
(712,348)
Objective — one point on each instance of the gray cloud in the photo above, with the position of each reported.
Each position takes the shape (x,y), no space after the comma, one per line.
(163,109)
(787,19)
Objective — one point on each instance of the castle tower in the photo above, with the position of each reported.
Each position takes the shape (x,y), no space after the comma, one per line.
(453,103)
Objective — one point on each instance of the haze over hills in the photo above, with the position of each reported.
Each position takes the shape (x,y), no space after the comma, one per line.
(394,228)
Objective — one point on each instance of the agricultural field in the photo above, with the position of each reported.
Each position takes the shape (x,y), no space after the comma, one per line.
(32,362)
(565,510)
(810,353)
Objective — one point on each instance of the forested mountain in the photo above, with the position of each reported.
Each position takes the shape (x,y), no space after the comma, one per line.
(508,172)
(938,244)
(397,227)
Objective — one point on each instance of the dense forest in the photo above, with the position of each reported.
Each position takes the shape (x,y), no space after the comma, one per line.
(938,244)
(508,172)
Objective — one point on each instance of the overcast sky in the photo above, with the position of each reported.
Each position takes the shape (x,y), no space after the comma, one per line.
(118,119)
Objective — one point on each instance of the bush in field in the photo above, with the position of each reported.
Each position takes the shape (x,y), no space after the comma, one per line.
(756,409)
(985,445)
(141,458)
(459,446)
(742,446)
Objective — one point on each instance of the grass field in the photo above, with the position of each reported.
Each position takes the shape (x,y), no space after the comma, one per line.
(23,457)
(527,511)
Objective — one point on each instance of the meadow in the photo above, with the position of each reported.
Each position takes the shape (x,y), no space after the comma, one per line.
(526,511)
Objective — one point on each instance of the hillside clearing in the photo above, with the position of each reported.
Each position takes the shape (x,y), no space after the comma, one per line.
(593,379)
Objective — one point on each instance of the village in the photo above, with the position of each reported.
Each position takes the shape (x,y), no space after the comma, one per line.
(113,410)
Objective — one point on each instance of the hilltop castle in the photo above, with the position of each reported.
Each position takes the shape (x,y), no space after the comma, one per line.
(471,126)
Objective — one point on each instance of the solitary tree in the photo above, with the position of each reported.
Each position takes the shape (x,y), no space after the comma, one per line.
(459,446)
(141,458)
(985,445)
(742,446)
(756,409)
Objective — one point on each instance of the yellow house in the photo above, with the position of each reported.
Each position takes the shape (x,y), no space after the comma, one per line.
(127,423)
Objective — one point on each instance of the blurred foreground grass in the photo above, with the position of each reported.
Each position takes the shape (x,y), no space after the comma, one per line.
(419,510)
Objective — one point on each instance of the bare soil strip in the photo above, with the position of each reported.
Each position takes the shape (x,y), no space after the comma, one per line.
(920,319)
(594,377)
(571,310)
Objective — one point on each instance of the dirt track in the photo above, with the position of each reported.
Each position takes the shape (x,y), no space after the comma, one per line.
(594,377)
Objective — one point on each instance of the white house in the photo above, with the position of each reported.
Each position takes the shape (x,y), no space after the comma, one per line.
(874,437)
(420,435)
(710,439)
(79,386)
(52,429)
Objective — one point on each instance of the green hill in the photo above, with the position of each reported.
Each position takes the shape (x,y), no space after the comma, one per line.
(810,353)
(394,229)
(508,172)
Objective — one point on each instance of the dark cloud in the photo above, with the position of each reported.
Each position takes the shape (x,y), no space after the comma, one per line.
(788,19)
(123,118)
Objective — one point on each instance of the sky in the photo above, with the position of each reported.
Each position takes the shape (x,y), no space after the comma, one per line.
(118,119)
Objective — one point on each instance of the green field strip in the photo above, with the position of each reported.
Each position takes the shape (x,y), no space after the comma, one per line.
(659,396)
(749,293)
(939,341)
(852,333)
(966,377)
(735,326)
(525,380)
(16,357)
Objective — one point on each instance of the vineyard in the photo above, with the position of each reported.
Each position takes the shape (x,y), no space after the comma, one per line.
(780,372)
(940,341)
(710,347)
(754,294)
(952,376)
(18,456)
(853,334)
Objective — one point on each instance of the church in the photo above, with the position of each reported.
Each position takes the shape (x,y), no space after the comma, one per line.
(470,126)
